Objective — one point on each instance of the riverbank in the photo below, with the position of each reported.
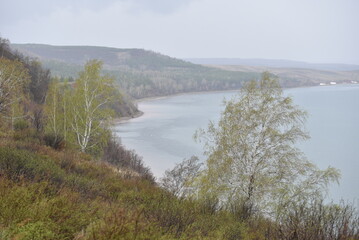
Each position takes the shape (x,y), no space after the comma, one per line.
(125,119)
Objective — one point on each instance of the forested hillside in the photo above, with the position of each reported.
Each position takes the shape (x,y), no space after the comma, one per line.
(139,72)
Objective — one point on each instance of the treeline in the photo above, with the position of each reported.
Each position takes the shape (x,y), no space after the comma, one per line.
(179,80)
(144,82)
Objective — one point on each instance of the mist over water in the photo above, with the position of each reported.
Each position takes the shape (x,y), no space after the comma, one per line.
(164,134)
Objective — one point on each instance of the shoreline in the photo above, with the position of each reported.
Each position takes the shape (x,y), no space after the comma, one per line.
(184,93)
(231,90)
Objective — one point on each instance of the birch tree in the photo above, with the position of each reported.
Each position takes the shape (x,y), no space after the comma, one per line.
(253,165)
(13,81)
(88,113)
(56,109)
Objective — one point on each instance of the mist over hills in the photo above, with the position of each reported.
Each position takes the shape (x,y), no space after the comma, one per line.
(141,73)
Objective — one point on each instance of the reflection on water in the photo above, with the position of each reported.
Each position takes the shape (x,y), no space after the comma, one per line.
(164,134)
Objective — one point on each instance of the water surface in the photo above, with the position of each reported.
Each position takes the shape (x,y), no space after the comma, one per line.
(164,134)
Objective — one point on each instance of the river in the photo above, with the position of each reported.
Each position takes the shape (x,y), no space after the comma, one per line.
(164,134)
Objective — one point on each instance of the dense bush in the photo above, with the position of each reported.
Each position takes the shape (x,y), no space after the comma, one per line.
(32,211)
(20,125)
(317,220)
(55,141)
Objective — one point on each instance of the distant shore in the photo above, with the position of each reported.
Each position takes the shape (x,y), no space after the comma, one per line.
(181,94)
(231,90)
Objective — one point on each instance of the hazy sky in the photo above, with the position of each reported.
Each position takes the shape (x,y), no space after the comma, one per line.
(307,30)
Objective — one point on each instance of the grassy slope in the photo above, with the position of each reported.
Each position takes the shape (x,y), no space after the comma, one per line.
(58,195)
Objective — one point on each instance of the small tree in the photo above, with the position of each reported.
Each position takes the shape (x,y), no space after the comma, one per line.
(178,180)
(253,165)
(53,110)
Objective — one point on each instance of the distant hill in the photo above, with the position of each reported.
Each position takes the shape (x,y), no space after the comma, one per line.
(294,77)
(273,63)
(139,72)
(112,57)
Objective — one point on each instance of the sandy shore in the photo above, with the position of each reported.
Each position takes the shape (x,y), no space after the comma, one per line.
(125,119)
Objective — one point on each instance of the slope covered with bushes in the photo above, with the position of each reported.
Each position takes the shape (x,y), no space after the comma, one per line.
(68,195)
(47,194)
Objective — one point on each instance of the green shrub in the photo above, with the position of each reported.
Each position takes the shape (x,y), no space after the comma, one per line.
(21,125)
(35,231)
(235,231)
(16,163)
(121,224)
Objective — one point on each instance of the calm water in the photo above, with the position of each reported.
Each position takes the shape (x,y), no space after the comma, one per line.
(164,134)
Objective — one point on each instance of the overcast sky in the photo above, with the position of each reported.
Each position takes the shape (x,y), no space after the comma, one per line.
(308,30)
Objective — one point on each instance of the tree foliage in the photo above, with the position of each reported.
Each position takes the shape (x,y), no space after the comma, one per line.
(253,165)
